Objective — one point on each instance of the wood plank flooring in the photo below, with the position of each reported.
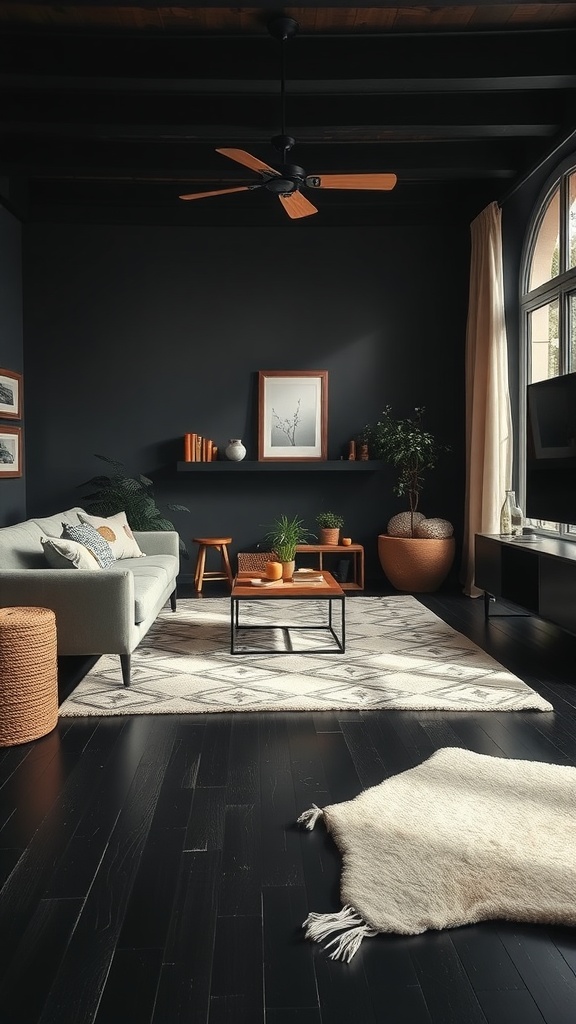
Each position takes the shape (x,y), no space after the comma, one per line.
(151,870)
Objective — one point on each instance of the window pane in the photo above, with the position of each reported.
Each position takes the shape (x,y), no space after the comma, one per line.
(544,264)
(572,221)
(543,524)
(572,319)
(543,334)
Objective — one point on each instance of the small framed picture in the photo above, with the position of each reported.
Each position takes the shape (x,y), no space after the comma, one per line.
(10,451)
(10,395)
(292,415)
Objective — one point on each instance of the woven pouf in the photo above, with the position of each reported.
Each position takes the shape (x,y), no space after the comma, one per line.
(28,674)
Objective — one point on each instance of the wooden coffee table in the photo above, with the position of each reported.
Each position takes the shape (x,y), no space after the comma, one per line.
(329,590)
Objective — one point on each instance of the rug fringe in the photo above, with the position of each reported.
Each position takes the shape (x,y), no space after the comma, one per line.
(347,921)
(310,817)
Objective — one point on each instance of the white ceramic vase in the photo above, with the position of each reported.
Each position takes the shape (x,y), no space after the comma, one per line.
(235,450)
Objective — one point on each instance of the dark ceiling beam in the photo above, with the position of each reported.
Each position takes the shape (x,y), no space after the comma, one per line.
(30,84)
(201,183)
(457,55)
(198,160)
(523,108)
(165,194)
(220,135)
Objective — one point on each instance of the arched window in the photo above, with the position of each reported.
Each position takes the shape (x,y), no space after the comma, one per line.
(548,297)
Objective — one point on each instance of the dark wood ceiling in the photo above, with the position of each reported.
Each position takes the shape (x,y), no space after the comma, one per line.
(110,110)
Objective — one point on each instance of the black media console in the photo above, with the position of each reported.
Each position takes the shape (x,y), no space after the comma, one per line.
(534,572)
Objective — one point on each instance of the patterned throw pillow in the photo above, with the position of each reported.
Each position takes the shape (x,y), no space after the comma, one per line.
(116,532)
(91,539)
(68,554)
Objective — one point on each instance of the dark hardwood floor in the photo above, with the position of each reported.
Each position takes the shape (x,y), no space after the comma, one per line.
(152,871)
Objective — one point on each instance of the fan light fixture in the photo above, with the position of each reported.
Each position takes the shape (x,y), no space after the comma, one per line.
(287,180)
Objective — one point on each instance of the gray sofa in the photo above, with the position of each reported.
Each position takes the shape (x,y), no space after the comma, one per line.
(105,612)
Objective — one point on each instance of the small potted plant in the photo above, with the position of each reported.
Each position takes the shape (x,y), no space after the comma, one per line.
(284,535)
(330,524)
(426,545)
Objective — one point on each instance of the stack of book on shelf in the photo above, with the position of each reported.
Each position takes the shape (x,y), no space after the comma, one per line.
(199,449)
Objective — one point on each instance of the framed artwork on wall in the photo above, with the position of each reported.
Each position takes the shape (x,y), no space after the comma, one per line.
(292,415)
(10,395)
(10,451)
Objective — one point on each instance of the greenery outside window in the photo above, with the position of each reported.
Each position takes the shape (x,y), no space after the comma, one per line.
(548,301)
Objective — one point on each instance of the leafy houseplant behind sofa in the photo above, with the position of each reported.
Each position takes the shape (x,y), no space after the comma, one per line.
(97,612)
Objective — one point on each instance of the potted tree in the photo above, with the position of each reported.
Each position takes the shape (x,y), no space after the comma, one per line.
(284,535)
(330,524)
(415,553)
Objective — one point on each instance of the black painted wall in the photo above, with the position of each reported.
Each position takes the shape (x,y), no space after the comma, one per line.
(13,490)
(135,335)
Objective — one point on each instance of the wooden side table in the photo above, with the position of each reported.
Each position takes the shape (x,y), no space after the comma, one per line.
(356,550)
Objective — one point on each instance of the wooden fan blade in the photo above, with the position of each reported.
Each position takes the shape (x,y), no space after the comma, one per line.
(376,182)
(248,160)
(296,205)
(218,192)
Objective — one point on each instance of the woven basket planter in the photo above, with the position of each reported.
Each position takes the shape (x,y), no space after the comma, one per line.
(329,535)
(28,674)
(416,565)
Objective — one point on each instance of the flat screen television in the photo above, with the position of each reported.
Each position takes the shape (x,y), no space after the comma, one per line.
(551,450)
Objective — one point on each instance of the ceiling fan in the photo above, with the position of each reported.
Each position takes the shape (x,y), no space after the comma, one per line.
(287,180)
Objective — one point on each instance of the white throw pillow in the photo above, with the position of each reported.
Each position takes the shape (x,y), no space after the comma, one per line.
(116,531)
(68,554)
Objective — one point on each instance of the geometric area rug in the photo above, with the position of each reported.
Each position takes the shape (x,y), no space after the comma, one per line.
(460,838)
(399,655)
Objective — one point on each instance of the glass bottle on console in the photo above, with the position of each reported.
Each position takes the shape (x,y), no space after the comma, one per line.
(511,517)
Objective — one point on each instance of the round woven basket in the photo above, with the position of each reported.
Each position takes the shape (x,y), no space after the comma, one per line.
(253,561)
(28,674)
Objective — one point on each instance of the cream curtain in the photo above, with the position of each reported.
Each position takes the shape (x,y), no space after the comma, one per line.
(488,416)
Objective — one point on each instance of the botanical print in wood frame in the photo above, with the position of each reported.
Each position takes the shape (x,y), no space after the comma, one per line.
(10,395)
(292,415)
(10,451)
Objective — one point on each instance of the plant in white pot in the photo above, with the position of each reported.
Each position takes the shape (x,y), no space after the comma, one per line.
(330,524)
(284,535)
(415,553)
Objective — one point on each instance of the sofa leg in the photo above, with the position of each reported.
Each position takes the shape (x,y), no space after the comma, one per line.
(173,600)
(125,663)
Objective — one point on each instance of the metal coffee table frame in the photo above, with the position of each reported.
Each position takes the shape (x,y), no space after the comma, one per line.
(296,593)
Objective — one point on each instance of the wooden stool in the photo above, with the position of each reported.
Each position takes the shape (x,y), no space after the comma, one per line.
(219,544)
(28,674)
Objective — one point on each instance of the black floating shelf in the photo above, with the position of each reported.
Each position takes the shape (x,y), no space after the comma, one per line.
(282,466)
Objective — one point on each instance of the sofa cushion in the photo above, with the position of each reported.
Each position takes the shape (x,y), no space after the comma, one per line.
(165,565)
(51,526)
(21,548)
(90,538)
(20,545)
(116,532)
(148,587)
(68,554)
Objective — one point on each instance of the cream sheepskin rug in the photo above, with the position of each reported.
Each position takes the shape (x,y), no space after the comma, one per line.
(461,838)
